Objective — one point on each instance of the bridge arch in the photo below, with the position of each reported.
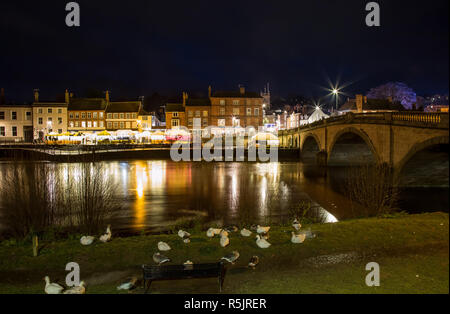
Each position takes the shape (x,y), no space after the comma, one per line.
(310,136)
(418,147)
(359,134)
(310,148)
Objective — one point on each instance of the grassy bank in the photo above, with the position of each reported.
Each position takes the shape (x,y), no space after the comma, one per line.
(413,253)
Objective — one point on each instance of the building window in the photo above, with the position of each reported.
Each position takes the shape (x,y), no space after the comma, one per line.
(71,124)
(77,124)
(60,121)
(89,124)
(50,119)
(134,116)
(83,124)
(235,102)
(205,113)
(40,111)
(109,115)
(116,116)
(101,115)
(249,111)
(190,122)
(40,121)
(2,131)
(175,123)
(122,125)
(116,125)
(128,116)
(109,125)
(89,115)
(236,111)
(77,115)
(83,115)
(205,122)
(95,124)
(190,113)
(221,122)
(59,111)
(14,131)
(71,115)
(59,131)
(101,124)
(222,111)
(197,113)
(14,115)
(121,116)
(2,115)
(256,111)
(175,114)
(222,102)
(94,115)
(50,110)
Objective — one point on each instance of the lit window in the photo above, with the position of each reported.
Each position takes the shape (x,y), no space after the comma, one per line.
(175,122)
(190,113)
(122,116)
(101,115)
(222,111)
(205,113)
(40,111)
(89,115)
(13,115)
(109,115)
(94,115)
(256,111)
(83,115)
(95,124)
(249,111)
(236,102)
(221,122)
(101,124)
(236,111)
(222,102)
(83,124)
(89,124)
(121,125)
(128,116)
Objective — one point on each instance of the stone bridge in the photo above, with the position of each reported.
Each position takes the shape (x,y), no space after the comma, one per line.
(391,138)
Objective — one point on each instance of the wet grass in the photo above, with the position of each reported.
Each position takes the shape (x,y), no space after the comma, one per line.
(413,253)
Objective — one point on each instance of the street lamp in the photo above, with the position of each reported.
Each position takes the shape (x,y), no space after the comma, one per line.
(336,94)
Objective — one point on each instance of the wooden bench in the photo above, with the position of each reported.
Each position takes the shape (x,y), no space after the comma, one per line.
(180,272)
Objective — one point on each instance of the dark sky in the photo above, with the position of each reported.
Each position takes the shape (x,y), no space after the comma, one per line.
(135,48)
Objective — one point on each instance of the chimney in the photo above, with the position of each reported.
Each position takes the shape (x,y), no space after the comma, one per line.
(209,91)
(67,96)
(184,99)
(242,90)
(2,96)
(359,103)
(107,96)
(36,95)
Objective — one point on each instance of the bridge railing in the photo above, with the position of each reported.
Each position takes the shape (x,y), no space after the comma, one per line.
(421,117)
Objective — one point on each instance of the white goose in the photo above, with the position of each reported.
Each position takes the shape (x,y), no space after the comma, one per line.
(224,241)
(212,232)
(260,229)
(163,247)
(107,236)
(128,285)
(262,243)
(81,289)
(246,233)
(87,240)
(224,233)
(183,234)
(298,238)
(52,288)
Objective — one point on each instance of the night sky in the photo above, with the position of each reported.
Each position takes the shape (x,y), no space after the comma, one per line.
(135,48)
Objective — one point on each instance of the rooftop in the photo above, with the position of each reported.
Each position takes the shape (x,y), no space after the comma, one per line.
(126,106)
(87,104)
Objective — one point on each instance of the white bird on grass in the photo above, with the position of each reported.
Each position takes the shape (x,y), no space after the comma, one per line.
(182,234)
(211,233)
(87,240)
(246,233)
(297,226)
(298,238)
(163,247)
(188,265)
(81,289)
(107,236)
(52,288)
(224,233)
(260,229)
(187,239)
(224,241)
(262,243)
(128,285)
(160,259)
(232,257)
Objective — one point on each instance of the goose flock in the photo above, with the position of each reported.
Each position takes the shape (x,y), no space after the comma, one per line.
(262,237)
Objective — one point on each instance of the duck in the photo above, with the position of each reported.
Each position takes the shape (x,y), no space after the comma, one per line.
(80,289)
(52,288)
(265,236)
(186,239)
(87,240)
(231,229)
(296,224)
(298,238)
(232,257)
(246,233)
(160,259)
(224,233)
(107,236)
(262,243)
(210,233)
(260,229)
(128,285)
(182,234)
(163,247)
(224,241)
(254,261)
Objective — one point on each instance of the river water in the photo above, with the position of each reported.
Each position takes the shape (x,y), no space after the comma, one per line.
(156,193)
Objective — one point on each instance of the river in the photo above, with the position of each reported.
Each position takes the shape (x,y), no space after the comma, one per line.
(156,193)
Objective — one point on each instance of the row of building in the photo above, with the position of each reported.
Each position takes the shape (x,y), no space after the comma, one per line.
(93,115)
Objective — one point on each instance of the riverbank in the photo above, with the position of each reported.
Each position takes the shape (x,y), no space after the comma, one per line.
(412,250)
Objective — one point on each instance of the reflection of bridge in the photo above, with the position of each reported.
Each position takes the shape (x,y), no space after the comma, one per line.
(393,138)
